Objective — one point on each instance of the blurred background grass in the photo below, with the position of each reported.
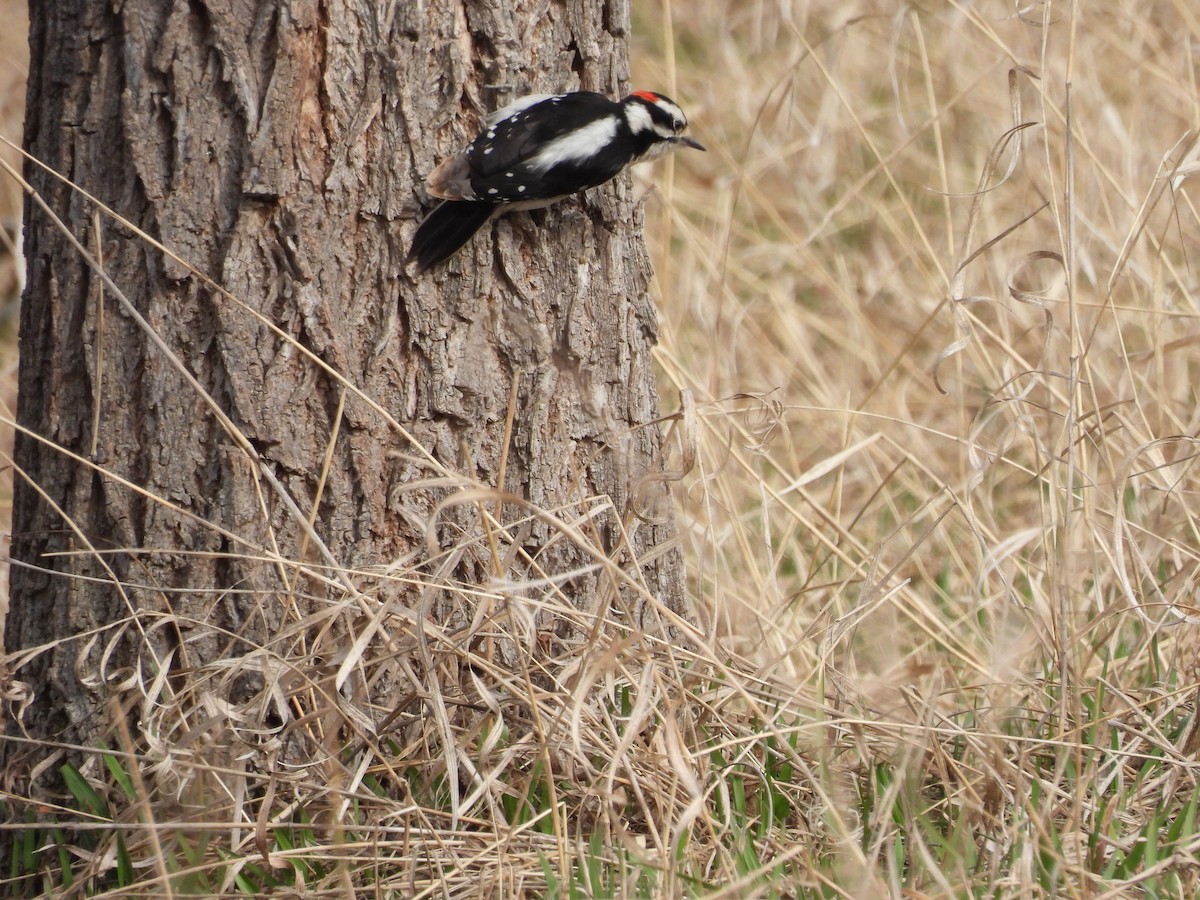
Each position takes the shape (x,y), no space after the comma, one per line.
(14,63)
(932,297)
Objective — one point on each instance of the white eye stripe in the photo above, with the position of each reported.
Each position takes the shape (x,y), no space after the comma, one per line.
(674,113)
(641,118)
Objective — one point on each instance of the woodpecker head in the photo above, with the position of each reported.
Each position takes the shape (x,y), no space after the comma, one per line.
(657,123)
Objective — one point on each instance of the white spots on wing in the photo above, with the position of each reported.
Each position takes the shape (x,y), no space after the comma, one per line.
(520,189)
(519,105)
(493,190)
(577,146)
(508,174)
(492,134)
(488,150)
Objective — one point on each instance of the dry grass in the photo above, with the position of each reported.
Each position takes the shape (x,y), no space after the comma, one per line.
(929,316)
(936,314)
(14,60)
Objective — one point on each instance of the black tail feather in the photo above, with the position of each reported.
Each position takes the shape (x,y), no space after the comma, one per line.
(445,230)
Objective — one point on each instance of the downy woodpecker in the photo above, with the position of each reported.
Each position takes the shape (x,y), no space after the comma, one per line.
(537,150)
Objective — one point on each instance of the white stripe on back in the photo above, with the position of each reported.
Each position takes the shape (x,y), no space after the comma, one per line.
(577,146)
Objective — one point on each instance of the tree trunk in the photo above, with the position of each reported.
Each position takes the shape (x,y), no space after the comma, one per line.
(182,437)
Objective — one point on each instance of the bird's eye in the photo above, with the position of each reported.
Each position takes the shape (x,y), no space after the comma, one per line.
(679,124)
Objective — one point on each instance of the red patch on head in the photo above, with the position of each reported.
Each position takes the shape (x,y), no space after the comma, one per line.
(648,96)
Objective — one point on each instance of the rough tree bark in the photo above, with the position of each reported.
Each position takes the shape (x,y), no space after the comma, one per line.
(280,149)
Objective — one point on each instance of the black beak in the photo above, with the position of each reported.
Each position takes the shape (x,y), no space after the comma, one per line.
(688,142)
